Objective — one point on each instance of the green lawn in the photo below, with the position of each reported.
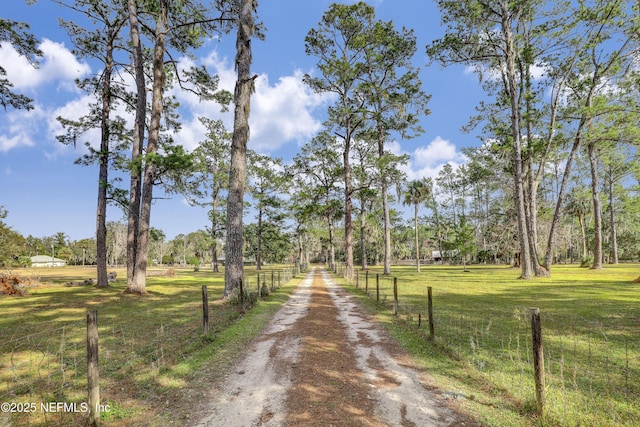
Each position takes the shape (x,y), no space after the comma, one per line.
(153,354)
(156,363)
(591,336)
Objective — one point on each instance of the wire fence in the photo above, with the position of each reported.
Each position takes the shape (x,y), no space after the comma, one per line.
(591,367)
(43,368)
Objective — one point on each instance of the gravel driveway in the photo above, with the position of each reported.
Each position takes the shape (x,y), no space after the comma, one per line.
(322,361)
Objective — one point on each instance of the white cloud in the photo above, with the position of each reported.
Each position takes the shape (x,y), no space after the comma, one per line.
(427,161)
(191,134)
(538,71)
(17,128)
(57,63)
(222,67)
(437,152)
(394,148)
(24,128)
(71,110)
(280,113)
(7,143)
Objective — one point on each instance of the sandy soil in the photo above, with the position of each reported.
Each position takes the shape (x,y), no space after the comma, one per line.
(322,361)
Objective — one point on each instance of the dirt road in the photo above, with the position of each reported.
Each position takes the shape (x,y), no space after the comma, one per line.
(322,361)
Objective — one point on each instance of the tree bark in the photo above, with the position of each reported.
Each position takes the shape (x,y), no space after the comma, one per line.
(348,208)
(612,221)
(142,253)
(510,86)
(385,205)
(387,227)
(363,240)
(234,266)
(332,245)
(415,224)
(103,174)
(597,209)
(259,248)
(135,186)
(214,218)
(436,217)
(583,235)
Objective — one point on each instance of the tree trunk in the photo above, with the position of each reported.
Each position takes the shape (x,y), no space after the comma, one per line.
(234,268)
(612,221)
(214,219)
(438,230)
(142,253)
(300,258)
(532,222)
(259,248)
(533,177)
(103,174)
(348,208)
(415,225)
(584,123)
(555,222)
(363,240)
(510,86)
(332,245)
(387,228)
(386,269)
(597,209)
(135,186)
(583,234)
(214,259)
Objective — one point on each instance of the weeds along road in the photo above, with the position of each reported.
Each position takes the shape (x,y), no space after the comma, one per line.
(322,361)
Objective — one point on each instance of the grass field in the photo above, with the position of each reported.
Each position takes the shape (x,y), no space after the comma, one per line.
(156,364)
(155,361)
(591,337)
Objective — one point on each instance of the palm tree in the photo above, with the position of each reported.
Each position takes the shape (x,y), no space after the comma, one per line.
(418,191)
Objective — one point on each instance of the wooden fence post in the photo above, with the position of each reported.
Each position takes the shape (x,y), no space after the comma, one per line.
(93,376)
(395,296)
(538,360)
(377,287)
(205,309)
(430,308)
(366,281)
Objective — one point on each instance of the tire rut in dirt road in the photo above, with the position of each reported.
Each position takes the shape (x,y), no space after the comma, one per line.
(328,388)
(252,393)
(322,361)
(398,387)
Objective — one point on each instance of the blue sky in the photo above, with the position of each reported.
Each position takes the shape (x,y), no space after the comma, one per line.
(46,193)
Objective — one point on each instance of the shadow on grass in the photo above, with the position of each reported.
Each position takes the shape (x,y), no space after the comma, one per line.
(150,345)
(591,331)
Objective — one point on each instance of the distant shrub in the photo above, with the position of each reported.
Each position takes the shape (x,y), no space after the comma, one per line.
(586,262)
